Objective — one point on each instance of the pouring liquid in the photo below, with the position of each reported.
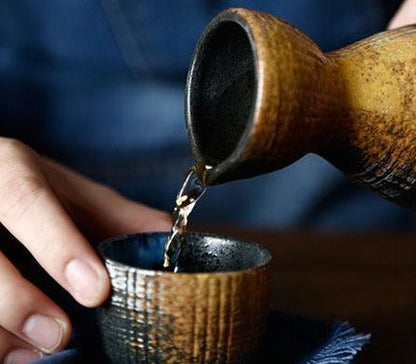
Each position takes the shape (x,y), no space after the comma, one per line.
(190,192)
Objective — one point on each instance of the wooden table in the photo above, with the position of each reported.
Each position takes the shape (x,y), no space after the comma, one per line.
(367,279)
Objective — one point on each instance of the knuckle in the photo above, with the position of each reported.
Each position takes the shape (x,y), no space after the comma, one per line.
(18,194)
(12,147)
(16,298)
(18,301)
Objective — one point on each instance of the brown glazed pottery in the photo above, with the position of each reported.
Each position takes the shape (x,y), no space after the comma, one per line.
(214,310)
(260,94)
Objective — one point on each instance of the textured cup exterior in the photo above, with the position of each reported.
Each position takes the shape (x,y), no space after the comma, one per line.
(165,317)
(354,106)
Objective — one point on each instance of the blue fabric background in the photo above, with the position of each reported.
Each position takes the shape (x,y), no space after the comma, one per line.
(99,85)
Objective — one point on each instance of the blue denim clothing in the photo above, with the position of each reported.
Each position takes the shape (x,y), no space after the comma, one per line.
(99,86)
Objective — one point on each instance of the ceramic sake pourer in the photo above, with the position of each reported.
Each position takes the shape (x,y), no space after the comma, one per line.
(214,310)
(260,95)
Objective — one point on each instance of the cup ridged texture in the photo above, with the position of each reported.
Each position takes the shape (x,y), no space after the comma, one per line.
(153,317)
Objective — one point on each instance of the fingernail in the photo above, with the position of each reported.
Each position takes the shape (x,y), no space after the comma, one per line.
(85,281)
(21,356)
(43,331)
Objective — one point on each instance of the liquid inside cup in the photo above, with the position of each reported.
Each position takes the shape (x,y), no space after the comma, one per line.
(200,252)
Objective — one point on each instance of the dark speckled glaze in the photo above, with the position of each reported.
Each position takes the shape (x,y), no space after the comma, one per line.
(260,95)
(213,311)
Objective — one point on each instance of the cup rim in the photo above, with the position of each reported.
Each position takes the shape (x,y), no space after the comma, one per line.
(151,272)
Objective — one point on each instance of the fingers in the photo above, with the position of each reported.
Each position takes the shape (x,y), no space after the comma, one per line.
(29,314)
(14,350)
(110,212)
(405,15)
(31,190)
(33,214)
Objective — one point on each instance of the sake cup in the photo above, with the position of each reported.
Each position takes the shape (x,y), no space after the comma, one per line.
(213,310)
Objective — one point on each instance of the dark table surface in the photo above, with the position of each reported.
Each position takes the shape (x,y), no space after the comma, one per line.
(367,279)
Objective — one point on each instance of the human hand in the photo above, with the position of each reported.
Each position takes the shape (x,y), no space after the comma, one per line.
(43,204)
(405,15)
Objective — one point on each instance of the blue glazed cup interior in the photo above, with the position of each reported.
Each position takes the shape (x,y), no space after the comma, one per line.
(201,252)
